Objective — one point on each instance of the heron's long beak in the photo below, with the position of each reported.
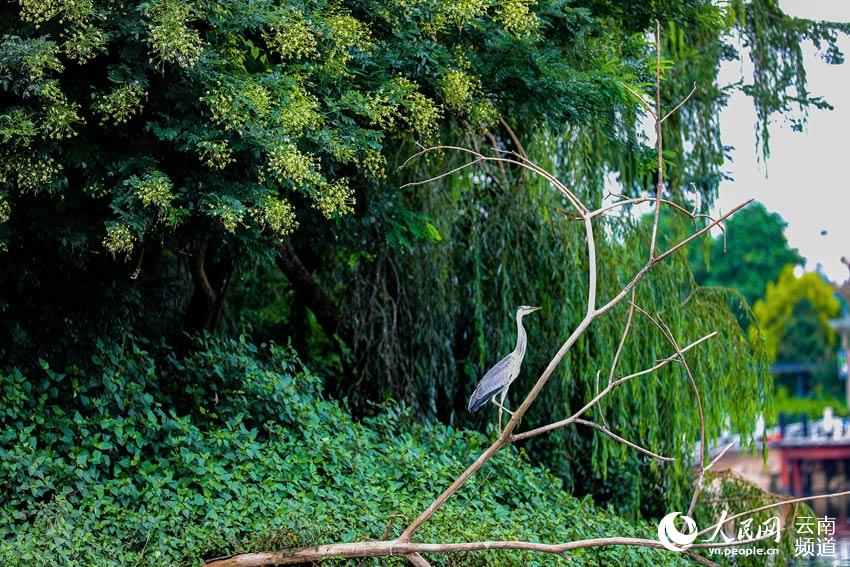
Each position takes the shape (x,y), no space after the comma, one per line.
(533,309)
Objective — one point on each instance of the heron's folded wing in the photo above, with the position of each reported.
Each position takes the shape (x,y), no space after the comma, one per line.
(493,382)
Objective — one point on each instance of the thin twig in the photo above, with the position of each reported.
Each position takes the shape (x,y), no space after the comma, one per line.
(639,98)
(599,406)
(571,197)
(495,144)
(390,523)
(659,145)
(719,456)
(659,141)
(622,343)
(520,150)
(678,106)
(675,206)
(626,442)
(442,175)
(649,265)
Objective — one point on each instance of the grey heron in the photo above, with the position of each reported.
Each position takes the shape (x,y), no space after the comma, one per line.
(499,378)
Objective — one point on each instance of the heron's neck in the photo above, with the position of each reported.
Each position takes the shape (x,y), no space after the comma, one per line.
(520,336)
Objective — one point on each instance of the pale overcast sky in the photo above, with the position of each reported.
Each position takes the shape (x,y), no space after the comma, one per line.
(807,171)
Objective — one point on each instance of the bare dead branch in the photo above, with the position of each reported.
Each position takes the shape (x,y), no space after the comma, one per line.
(678,106)
(442,175)
(648,266)
(399,548)
(599,406)
(694,216)
(417,560)
(699,485)
(659,141)
(659,145)
(574,200)
(639,97)
(520,150)
(626,442)
(719,456)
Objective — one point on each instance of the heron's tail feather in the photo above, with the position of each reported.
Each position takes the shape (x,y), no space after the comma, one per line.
(475,405)
(479,398)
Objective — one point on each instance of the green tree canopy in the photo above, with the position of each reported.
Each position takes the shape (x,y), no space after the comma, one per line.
(794,317)
(753,254)
(806,338)
(162,145)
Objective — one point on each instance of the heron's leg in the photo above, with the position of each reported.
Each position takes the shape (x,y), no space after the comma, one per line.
(493,399)
(500,404)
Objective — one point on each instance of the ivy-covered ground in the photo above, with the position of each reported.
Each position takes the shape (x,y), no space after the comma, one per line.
(147,458)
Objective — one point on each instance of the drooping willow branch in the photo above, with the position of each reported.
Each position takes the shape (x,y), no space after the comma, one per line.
(403,546)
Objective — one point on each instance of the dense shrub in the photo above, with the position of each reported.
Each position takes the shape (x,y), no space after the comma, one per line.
(144,458)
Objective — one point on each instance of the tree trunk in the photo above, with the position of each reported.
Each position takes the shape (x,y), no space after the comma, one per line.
(316,300)
(211,278)
(310,293)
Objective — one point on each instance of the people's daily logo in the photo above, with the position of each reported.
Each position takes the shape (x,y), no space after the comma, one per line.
(670,537)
